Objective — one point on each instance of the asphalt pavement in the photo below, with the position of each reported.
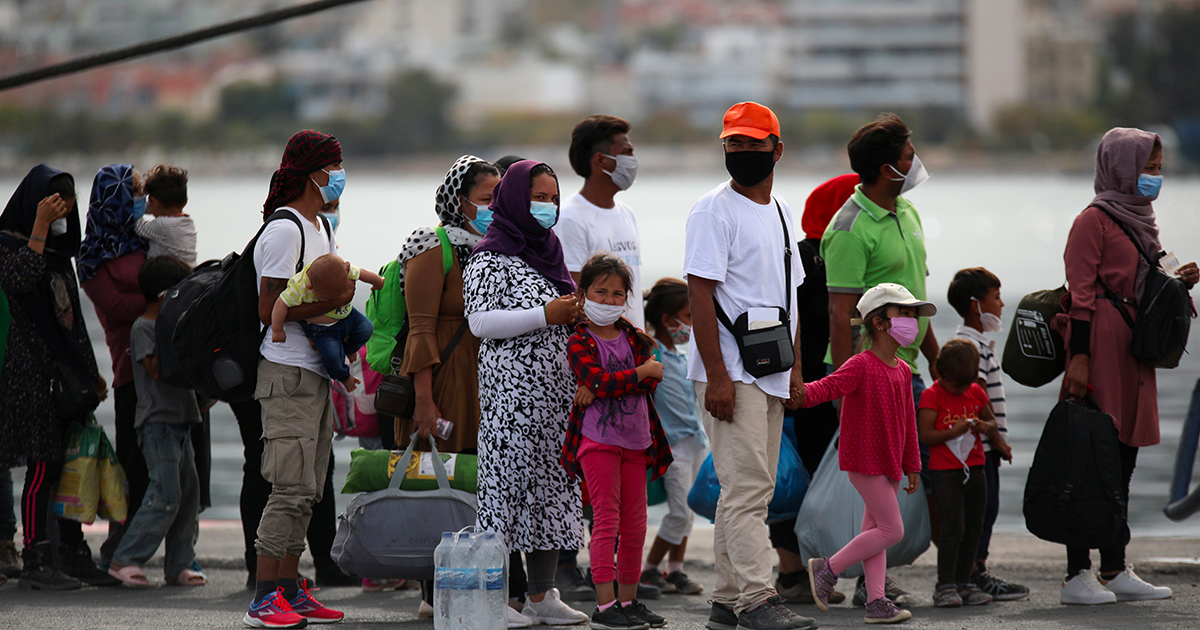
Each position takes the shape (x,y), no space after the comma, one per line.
(1016,557)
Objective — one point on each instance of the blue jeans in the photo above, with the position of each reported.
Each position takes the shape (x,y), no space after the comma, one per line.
(8,515)
(170,510)
(339,339)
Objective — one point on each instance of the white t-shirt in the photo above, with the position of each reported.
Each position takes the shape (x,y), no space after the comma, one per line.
(740,244)
(275,256)
(585,229)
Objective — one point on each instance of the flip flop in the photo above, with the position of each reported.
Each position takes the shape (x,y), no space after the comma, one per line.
(131,576)
(188,577)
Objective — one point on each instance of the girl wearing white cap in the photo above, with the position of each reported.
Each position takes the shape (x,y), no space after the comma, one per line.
(878,443)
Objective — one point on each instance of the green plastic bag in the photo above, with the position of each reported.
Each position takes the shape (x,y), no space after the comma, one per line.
(372,470)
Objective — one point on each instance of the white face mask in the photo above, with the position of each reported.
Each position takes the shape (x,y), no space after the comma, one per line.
(962,446)
(625,171)
(915,177)
(603,314)
(990,322)
(58,227)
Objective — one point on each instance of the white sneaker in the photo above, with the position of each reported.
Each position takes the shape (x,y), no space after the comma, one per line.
(424,611)
(1127,586)
(1085,590)
(516,619)
(552,611)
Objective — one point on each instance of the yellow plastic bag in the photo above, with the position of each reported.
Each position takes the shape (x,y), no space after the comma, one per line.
(113,505)
(77,496)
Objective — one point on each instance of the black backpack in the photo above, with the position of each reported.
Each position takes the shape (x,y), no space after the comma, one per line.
(1074,494)
(208,331)
(1164,311)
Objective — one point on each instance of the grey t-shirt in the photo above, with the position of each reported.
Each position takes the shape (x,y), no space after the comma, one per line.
(157,402)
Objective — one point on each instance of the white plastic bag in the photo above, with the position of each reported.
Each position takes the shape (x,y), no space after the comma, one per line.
(832,515)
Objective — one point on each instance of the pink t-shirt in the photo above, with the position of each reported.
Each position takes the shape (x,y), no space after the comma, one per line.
(879,420)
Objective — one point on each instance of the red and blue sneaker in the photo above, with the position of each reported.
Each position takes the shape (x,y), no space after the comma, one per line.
(273,611)
(314,611)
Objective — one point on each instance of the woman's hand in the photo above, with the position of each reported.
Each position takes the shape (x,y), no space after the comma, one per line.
(1076,378)
(101,387)
(650,369)
(1189,273)
(425,415)
(584,396)
(562,311)
(51,209)
(913,478)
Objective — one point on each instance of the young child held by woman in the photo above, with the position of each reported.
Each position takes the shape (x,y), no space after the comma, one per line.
(878,444)
(612,435)
(338,334)
(670,316)
(951,417)
(165,415)
(170,232)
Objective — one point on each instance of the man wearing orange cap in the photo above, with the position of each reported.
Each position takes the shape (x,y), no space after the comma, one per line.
(740,267)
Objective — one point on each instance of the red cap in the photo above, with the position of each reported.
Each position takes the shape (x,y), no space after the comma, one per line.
(824,202)
(750,119)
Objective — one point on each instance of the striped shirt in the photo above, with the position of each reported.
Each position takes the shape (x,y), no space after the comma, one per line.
(170,236)
(989,371)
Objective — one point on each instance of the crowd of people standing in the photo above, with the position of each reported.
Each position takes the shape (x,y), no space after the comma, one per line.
(529,329)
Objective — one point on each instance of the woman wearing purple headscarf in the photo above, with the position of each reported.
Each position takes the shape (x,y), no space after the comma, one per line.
(520,302)
(1099,254)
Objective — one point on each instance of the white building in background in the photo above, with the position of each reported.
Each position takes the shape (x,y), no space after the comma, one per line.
(733,63)
(961,55)
(873,54)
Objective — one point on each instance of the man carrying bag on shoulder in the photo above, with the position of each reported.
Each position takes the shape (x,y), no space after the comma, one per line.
(742,280)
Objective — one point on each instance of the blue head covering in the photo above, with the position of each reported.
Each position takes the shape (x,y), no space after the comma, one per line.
(109,234)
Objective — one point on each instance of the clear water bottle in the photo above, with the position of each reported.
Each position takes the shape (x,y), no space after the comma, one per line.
(443,582)
(493,559)
(467,592)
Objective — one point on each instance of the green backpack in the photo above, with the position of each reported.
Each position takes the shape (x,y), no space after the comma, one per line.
(388,311)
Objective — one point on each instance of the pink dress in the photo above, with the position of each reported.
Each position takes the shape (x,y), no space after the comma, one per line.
(1123,387)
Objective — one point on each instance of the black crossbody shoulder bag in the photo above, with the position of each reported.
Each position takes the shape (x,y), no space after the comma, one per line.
(769,350)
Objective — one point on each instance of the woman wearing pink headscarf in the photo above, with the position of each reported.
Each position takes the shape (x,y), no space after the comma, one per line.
(1099,253)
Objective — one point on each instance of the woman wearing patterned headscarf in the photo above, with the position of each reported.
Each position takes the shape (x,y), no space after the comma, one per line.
(435,309)
(1100,254)
(434,298)
(39,235)
(109,260)
(520,301)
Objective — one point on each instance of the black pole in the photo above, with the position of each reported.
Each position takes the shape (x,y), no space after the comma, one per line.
(167,43)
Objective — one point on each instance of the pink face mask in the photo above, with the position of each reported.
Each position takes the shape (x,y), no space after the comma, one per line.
(904,330)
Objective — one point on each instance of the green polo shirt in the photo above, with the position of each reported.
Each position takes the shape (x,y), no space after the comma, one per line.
(865,245)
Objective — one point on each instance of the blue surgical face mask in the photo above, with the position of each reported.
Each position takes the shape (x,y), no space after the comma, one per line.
(545,212)
(1149,185)
(337,184)
(333,218)
(139,206)
(483,218)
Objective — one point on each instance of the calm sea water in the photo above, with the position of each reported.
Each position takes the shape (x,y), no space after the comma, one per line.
(1013,224)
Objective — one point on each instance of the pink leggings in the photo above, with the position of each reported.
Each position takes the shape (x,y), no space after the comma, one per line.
(616,480)
(881,528)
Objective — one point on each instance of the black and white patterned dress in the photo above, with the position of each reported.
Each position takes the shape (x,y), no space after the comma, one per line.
(525,391)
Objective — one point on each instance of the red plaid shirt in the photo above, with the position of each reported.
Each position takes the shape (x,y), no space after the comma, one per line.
(584,357)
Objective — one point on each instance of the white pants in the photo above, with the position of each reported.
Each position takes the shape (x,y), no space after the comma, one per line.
(689,456)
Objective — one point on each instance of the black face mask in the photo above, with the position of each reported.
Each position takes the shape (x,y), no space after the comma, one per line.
(748,168)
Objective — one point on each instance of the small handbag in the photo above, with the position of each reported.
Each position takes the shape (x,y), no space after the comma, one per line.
(72,395)
(397,394)
(768,350)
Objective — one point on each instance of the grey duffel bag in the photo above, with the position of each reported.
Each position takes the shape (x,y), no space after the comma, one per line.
(392,533)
